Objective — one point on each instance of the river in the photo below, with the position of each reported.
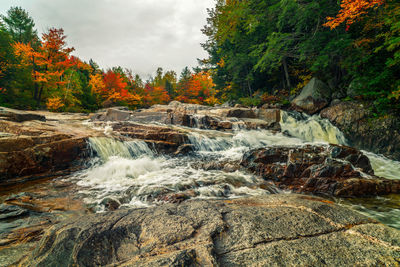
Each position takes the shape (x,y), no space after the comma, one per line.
(131,174)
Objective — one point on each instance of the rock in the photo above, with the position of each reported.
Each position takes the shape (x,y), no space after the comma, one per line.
(324,170)
(352,90)
(175,104)
(335,102)
(184,149)
(113,114)
(315,96)
(275,230)
(162,139)
(34,149)
(269,115)
(41,159)
(110,204)
(380,135)
(7,212)
(19,115)
(196,116)
(241,113)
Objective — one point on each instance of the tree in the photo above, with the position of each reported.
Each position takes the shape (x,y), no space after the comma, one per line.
(20,26)
(112,89)
(155,95)
(7,72)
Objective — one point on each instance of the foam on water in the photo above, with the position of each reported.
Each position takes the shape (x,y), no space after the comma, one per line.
(132,173)
(311,128)
(383,166)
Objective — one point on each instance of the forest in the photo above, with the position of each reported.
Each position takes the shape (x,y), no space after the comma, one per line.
(259,51)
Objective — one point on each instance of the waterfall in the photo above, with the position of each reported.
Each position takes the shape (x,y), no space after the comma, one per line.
(106,147)
(311,128)
(131,173)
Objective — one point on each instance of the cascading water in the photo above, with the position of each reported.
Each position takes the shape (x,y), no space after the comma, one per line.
(135,176)
(315,129)
(311,128)
(131,173)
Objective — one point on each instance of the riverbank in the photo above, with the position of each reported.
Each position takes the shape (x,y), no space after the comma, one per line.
(173,159)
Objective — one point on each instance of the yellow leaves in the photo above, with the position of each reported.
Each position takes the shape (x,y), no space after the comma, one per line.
(133,99)
(221,63)
(54,104)
(212,100)
(97,84)
(23,51)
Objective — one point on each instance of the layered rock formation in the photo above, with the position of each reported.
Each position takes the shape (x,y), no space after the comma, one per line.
(275,230)
(323,170)
(31,148)
(197,116)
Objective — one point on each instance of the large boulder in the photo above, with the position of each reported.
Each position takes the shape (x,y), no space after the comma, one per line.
(315,96)
(323,170)
(275,230)
(380,135)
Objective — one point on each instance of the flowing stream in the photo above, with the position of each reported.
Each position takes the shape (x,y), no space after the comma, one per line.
(132,175)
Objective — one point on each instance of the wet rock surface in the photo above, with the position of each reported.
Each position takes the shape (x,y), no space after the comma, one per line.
(323,170)
(51,225)
(379,135)
(274,230)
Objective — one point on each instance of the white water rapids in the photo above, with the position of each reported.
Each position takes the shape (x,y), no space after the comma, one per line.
(134,175)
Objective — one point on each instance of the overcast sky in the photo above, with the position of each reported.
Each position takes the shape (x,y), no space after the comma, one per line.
(136,34)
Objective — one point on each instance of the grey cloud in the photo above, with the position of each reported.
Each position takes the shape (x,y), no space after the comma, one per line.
(136,34)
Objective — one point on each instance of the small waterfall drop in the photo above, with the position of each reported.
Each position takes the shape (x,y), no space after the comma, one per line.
(106,148)
(311,128)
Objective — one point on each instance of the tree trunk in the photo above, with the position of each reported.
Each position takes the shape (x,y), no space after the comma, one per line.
(39,96)
(285,68)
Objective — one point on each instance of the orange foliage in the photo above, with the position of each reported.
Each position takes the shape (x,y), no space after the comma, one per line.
(351,10)
(199,90)
(54,104)
(155,95)
(112,87)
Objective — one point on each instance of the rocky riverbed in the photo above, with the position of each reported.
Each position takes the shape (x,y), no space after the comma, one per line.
(191,185)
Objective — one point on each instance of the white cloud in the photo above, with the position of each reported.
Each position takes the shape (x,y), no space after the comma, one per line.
(137,34)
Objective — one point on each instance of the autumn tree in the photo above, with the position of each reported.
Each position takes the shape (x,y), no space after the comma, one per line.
(112,89)
(351,10)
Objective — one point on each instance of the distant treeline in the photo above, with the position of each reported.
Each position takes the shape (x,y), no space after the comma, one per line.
(42,72)
(259,51)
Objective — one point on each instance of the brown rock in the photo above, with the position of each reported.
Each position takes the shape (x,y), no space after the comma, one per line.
(241,113)
(269,115)
(380,135)
(326,170)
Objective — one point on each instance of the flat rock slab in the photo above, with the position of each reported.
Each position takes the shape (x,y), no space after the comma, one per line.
(277,230)
(19,115)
